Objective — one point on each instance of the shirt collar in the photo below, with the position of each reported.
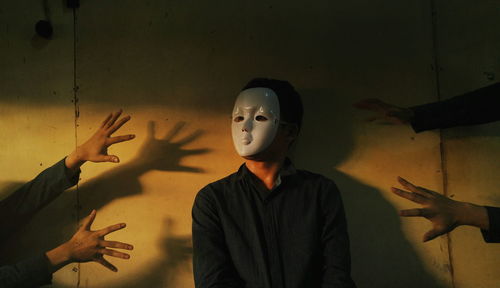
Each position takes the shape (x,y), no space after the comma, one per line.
(287,170)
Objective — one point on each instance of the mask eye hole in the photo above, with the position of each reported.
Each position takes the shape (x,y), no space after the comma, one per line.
(238,119)
(260,118)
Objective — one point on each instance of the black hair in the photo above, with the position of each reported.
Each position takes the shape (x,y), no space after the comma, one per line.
(291,109)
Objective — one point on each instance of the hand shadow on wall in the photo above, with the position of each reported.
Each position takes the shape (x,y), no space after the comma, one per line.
(381,255)
(163,154)
(55,224)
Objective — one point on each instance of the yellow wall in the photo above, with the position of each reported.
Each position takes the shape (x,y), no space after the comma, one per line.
(179,65)
(469,45)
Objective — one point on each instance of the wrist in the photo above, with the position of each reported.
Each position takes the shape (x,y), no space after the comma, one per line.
(473,215)
(74,160)
(410,115)
(59,257)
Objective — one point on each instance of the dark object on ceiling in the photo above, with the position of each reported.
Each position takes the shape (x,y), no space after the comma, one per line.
(73,3)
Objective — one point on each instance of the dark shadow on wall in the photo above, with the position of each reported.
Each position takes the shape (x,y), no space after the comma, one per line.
(381,255)
(161,154)
(55,224)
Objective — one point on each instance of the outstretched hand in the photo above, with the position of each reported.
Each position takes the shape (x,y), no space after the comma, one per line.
(385,111)
(95,149)
(444,213)
(87,245)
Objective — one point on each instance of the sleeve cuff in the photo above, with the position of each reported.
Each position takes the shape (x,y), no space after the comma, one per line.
(34,271)
(72,177)
(493,234)
(423,118)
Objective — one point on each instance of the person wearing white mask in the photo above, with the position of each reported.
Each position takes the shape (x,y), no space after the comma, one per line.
(269,224)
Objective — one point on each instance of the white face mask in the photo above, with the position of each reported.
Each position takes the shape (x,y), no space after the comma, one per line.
(256,117)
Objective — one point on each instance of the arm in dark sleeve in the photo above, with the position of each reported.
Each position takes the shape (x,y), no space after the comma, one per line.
(33,272)
(337,257)
(212,264)
(493,234)
(18,208)
(476,107)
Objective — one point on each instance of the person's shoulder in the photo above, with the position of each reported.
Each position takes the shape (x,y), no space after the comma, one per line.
(216,191)
(229,179)
(219,185)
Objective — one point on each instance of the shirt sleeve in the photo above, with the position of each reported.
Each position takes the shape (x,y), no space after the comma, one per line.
(18,208)
(493,234)
(476,107)
(335,240)
(212,263)
(33,272)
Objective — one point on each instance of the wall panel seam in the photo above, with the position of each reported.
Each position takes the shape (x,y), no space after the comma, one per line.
(77,115)
(442,147)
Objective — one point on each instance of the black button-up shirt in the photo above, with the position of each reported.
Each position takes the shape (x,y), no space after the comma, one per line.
(295,235)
